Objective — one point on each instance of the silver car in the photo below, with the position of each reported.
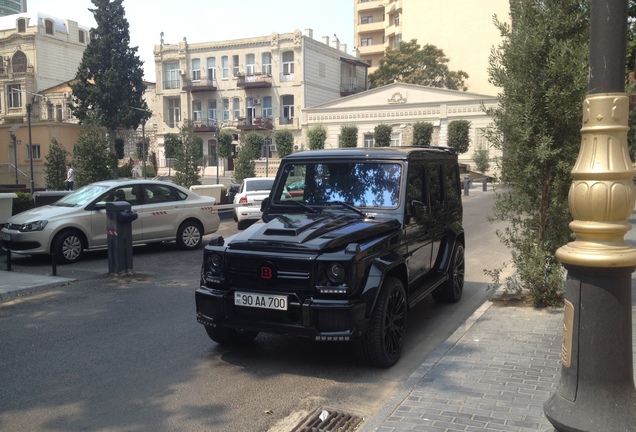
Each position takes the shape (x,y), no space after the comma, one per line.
(77,222)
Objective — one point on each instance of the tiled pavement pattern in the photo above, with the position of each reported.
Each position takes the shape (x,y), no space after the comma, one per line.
(495,374)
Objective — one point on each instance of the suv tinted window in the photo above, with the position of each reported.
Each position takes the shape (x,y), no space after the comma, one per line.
(362,184)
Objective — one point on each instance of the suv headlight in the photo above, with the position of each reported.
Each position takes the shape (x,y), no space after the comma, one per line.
(336,273)
(33,226)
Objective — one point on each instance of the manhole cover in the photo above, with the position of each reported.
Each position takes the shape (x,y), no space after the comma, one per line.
(329,420)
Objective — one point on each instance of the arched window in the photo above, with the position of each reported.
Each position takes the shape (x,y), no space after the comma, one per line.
(48,26)
(21,25)
(19,62)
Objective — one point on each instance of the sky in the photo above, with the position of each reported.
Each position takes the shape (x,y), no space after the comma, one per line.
(212,20)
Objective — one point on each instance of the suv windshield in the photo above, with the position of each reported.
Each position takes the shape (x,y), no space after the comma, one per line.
(361,184)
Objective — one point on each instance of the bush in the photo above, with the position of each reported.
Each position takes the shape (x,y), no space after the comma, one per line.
(23,202)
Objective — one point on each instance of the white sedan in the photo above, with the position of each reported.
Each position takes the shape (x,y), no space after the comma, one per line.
(77,222)
(249,197)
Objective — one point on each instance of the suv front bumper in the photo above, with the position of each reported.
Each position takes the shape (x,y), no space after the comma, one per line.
(328,320)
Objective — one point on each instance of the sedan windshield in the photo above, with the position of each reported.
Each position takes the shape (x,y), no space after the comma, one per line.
(360,184)
(82,196)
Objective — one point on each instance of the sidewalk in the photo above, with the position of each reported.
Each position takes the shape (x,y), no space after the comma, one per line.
(494,374)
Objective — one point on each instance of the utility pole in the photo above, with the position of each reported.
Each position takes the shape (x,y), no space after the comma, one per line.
(596,391)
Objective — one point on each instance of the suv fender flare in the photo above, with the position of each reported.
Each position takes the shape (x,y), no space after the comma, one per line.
(448,246)
(379,270)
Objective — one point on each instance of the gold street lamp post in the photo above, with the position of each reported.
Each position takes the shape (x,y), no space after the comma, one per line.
(596,391)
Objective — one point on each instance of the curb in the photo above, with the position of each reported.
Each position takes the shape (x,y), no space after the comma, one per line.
(378,419)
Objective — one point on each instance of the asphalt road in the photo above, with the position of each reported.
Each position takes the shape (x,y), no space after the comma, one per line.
(126,354)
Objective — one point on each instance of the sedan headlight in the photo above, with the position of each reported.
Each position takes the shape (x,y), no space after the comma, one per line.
(33,226)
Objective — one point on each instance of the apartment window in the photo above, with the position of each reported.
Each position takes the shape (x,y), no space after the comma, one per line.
(50,112)
(174,112)
(197,114)
(288,109)
(195,65)
(250,64)
(396,20)
(58,113)
(19,62)
(366,20)
(36,151)
(395,139)
(398,39)
(226,109)
(48,26)
(212,110)
(21,25)
(368,140)
(288,62)
(171,79)
(266,63)
(366,42)
(267,107)
(14,95)
(211,63)
(224,67)
(81,36)
(235,65)
(236,108)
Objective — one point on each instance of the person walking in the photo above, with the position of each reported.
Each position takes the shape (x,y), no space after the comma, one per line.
(70,177)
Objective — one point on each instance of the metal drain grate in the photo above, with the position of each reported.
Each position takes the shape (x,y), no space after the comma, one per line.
(329,420)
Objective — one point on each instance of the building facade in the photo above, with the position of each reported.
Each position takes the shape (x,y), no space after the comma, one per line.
(10,7)
(401,106)
(463,29)
(39,54)
(260,84)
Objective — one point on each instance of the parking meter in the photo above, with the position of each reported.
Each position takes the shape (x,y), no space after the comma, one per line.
(119,218)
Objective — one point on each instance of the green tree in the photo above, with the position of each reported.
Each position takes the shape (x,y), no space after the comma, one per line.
(410,63)
(254,142)
(92,157)
(55,166)
(459,135)
(348,136)
(382,135)
(481,157)
(284,142)
(244,166)
(316,137)
(187,157)
(422,134)
(109,80)
(542,70)
(225,144)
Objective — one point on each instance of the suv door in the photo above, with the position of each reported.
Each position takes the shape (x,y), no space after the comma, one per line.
(416,223)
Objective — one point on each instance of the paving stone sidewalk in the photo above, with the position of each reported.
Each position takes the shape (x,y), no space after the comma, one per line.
(494,374)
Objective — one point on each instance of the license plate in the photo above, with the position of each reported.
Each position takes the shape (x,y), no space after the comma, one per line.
(6,236)
(264,301)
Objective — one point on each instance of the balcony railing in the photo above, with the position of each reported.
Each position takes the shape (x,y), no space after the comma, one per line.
(199,85)
(208,125)
(256,123)
(349,89)
(256,80)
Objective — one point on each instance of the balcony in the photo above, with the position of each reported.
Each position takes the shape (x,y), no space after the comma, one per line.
(349,89)
(253,81)
(370,5)
(204,85)
(204,126)
(374,27)
(255,124)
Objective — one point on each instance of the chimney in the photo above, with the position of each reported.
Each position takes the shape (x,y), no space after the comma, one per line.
(343,48)
(325,40)
(309,33)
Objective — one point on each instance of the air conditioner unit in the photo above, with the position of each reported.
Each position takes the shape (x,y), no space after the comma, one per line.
(257,101)
(296,147)
(66,95)
(181,72)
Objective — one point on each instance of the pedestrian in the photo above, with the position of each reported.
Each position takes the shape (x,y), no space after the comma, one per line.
(70,177)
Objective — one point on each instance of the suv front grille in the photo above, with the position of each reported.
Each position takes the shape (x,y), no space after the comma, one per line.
(289,274)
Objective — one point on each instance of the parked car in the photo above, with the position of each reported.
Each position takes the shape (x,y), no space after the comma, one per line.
(77,222)
(249,197)
(373,233)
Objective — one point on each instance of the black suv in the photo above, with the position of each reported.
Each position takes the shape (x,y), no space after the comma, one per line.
(351,240)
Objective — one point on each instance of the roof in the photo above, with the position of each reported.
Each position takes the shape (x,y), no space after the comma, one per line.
(371,152)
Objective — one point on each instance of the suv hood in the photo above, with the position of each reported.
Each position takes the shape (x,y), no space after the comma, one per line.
(318,232)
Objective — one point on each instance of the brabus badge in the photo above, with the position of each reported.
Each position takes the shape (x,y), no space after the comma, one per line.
(267,271)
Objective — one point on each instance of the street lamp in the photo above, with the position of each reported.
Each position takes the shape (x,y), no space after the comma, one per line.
(143,144)
(28,107)
(268,143)
(218,137)
(12,130)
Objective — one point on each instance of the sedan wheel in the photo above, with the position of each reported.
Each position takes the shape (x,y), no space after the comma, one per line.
(68,247)
(189,235)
